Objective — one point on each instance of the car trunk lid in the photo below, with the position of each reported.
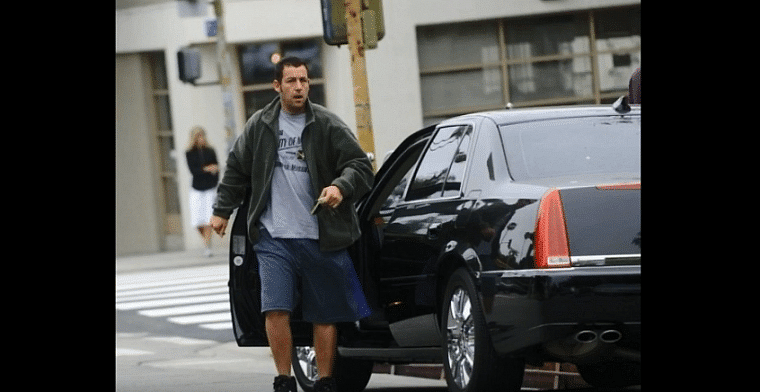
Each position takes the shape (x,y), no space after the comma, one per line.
(603,224)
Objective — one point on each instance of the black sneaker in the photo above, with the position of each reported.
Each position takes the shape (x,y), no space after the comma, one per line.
(326,384)
(285,384)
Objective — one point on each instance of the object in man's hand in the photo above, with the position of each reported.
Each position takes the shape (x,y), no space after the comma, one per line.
(318,206)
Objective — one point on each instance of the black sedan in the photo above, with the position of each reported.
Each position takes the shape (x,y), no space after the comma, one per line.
(489,241)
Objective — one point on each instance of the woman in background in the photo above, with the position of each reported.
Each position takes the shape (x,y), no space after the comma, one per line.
(201,159)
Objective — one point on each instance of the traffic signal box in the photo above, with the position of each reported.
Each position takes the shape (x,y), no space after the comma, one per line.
(189,62)
(334,22)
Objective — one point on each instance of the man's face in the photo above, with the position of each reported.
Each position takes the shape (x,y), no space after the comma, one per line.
(294,89)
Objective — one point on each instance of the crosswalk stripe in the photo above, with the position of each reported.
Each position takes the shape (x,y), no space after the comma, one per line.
(217,326)
(180,340)
(158,303)
(190,309)
(131,351)
(171,294)
(164,289)
(169,274)
(176,276)
(195,279)
(187,296)
(202,318)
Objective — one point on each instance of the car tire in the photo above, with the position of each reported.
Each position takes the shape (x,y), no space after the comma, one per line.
(470,362)
(351,375)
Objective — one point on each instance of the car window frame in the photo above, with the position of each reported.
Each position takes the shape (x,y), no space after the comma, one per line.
(472,129)
(397,165)
(486,126)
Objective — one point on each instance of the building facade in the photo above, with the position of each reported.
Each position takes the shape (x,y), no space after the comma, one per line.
(438,59)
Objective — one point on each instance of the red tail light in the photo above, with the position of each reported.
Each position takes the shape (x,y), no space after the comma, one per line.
(552,249)
(618,187)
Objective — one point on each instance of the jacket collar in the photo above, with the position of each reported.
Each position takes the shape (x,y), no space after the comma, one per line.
(271,113)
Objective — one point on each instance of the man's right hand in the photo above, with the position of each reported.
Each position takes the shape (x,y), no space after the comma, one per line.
(219,225)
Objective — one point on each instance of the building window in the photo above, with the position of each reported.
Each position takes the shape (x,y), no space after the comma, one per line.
(257,62)
(548,60)
(618,48)
(460,60)
(575,58)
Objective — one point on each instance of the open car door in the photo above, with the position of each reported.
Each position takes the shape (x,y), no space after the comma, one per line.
(244,283)
(245,290)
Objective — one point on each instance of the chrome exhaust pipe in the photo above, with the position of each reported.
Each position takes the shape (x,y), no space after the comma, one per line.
(585,336)
(610,336)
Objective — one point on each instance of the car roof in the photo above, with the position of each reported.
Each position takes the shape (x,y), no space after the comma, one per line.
(512,116)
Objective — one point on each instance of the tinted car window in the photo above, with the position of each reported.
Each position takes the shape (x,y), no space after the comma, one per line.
(456,172)
(434,167)
(397,192)
(489,165)
(573,146)
(407,167)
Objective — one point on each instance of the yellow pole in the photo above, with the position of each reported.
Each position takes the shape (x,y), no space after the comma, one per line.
(355,37)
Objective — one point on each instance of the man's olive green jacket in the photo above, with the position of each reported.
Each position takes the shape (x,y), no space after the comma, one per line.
(332,155)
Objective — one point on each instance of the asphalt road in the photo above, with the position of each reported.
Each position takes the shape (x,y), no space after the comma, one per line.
(160,363)
(173,332)
(162,345)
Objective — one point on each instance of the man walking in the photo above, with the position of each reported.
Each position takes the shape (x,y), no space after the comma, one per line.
(291,153)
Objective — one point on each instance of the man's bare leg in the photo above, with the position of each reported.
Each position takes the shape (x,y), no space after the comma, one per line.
(280,339)
(325,340)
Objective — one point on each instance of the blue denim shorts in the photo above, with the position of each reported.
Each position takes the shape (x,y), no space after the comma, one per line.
(330,291)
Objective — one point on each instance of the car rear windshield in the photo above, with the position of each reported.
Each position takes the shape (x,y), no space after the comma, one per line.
(573,146)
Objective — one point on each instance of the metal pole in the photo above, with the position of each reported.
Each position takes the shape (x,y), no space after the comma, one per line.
(355,38)
(223,66)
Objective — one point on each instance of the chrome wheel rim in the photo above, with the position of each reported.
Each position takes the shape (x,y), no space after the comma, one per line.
(460,338)
(307,360)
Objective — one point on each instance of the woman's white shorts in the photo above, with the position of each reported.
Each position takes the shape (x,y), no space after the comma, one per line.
(201,206)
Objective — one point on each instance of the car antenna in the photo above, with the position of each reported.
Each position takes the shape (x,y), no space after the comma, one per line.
(621,105)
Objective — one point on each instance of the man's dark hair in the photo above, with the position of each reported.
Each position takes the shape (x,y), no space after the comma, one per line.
(289,61)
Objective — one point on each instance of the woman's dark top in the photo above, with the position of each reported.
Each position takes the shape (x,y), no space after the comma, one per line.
(197,158)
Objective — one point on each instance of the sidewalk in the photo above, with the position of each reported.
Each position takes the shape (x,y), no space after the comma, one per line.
(167,260)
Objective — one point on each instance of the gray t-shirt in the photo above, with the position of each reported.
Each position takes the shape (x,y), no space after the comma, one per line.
(288,213)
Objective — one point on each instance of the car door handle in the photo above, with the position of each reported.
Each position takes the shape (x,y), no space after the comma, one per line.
(433,230)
